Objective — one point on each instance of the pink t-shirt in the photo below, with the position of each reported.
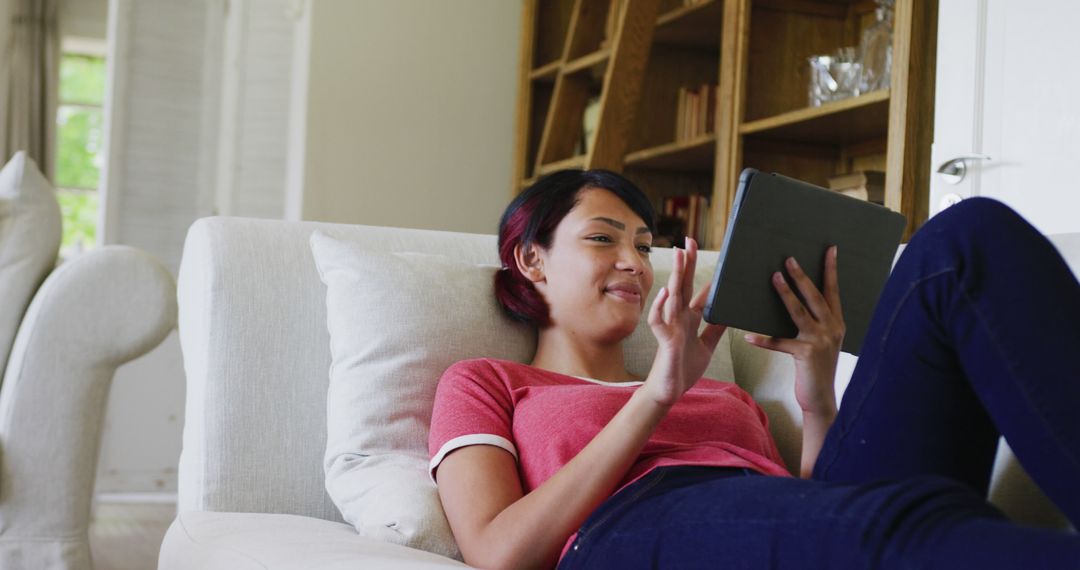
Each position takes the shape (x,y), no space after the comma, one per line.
(545,418)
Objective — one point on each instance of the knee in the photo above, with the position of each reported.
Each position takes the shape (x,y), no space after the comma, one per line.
(976,215)
(977,221)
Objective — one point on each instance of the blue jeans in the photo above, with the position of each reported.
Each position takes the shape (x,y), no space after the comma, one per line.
(976,335)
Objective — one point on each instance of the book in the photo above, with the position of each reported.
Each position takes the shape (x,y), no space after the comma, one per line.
(695,112)
(680,112)
(866,185)
(710,114)
(690,111)
(774,217)
(680,217)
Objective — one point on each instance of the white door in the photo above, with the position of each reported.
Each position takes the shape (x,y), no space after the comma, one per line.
(1008,88)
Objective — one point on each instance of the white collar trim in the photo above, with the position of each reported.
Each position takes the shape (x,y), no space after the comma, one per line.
(601,382)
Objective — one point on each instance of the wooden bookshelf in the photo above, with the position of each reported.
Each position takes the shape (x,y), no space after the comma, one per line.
(636,55)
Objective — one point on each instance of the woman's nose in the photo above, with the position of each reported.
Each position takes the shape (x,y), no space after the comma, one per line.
(630,260)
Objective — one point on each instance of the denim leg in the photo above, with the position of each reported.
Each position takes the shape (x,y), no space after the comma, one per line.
(976,334)
(690,520)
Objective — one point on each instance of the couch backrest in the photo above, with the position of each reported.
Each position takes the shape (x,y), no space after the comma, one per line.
(257,356)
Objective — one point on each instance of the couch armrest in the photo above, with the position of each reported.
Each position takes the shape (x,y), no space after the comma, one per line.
(91,315)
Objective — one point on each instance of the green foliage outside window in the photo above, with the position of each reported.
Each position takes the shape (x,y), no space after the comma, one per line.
(79,156)
(82,79)
(80,209)
(78,147)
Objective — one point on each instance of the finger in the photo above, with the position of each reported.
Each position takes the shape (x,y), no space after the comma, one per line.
(691,267)
(832,282)
(657,307)
(788,345)
(677,263)
(675,298)
(795,308)
(814,300)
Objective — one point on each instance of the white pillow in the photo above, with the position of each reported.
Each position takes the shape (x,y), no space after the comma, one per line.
(29,241)
(396,322)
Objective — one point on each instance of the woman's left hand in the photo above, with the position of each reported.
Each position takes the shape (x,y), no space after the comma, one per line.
(816,349)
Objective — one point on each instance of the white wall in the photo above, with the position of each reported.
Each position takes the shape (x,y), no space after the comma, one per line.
(410,112)
(406,118)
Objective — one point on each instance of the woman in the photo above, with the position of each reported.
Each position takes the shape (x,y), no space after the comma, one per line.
(564,461)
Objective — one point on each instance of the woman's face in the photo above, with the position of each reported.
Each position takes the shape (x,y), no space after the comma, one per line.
(597,273)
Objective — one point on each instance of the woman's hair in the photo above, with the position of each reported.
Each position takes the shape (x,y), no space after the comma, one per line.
(532,218)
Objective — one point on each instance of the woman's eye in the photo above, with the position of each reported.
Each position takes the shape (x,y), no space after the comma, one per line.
(605,239)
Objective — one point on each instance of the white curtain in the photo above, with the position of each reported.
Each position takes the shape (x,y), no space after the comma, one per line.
(29,75)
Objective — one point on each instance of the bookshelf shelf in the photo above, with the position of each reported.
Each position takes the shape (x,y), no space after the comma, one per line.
(691,26)
(836,123)
(695,155)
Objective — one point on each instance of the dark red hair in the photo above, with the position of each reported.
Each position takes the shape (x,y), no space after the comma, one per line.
(532,218)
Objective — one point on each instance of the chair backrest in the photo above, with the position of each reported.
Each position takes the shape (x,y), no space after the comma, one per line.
(29,239)
(257,356)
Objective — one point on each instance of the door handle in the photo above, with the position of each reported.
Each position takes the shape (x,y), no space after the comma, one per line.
(953,171)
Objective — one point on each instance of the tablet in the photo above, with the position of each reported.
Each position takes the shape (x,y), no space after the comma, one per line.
(774,217)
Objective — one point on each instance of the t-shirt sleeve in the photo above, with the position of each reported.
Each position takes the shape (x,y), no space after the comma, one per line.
(472,407)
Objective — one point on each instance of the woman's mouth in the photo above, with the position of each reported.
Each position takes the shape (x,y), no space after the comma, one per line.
(625,296)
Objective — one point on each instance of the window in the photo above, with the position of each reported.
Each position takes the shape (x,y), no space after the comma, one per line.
(79,154)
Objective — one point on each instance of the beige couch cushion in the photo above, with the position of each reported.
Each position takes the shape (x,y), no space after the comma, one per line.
(29,240)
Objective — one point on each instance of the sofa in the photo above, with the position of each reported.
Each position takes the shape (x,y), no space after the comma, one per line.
(254,333)
(64,330)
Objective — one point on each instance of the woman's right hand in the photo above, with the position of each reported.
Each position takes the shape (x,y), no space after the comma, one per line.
(683,354)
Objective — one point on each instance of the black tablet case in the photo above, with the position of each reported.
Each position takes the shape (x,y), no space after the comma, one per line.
(774,217)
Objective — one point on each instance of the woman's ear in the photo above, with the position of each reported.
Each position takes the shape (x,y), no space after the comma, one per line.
(529,262)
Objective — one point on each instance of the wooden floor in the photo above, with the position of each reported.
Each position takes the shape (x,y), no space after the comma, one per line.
(127,535)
